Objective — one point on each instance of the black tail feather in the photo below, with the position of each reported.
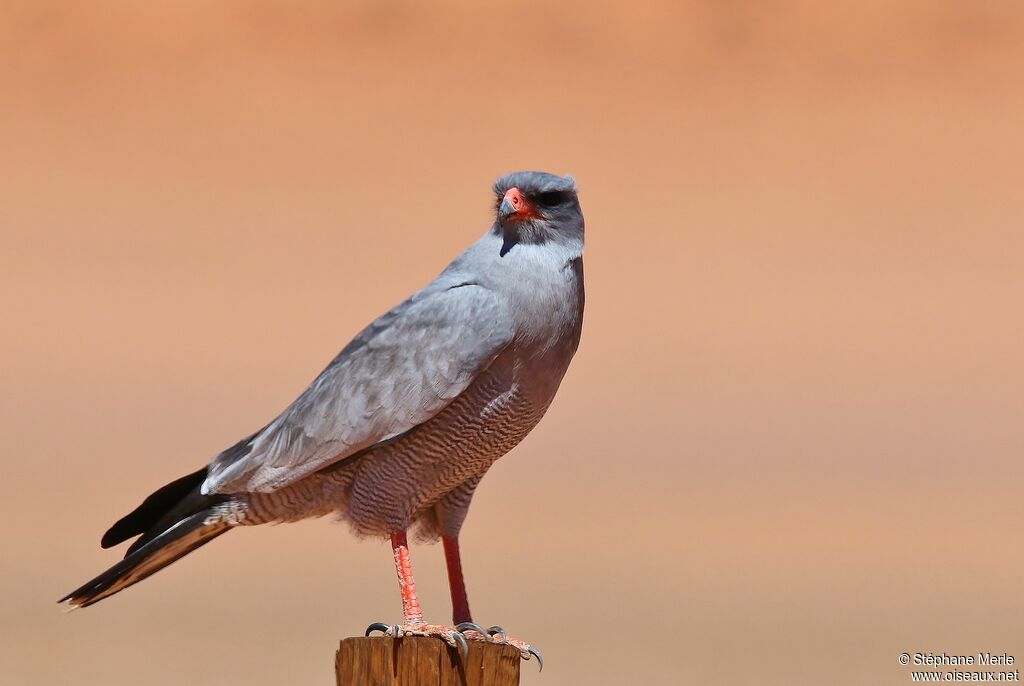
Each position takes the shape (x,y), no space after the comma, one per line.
(173,521)
(163,549)
(153,509)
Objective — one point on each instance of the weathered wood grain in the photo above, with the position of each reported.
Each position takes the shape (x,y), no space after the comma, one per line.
(419,661)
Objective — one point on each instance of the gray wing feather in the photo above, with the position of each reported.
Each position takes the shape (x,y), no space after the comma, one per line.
(397,373)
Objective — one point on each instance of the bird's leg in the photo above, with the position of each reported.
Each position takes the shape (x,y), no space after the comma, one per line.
(460,605)
(412,613)
(411,610)
(456,583)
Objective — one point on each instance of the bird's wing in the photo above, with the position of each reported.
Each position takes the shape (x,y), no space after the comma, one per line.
(397,373)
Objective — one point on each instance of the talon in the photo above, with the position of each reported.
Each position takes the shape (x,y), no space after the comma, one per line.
(463,645)
(470,625)
(495,630)
(540,658)
(379,626)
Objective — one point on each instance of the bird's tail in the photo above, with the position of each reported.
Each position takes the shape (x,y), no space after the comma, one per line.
(173,522)
(178,541)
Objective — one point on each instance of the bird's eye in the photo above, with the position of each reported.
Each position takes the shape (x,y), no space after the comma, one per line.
(550,199)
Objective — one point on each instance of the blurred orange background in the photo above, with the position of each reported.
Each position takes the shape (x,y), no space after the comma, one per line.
(789,448)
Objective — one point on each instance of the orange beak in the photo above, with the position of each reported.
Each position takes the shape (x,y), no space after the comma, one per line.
(515,206)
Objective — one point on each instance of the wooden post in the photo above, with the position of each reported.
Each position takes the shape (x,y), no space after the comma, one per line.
(420,661)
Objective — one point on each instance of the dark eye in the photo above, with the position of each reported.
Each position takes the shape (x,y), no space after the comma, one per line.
(550,199)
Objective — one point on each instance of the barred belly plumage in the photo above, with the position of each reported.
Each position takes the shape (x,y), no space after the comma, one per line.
(397,484)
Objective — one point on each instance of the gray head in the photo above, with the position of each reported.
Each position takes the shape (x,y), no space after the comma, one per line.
(536,207)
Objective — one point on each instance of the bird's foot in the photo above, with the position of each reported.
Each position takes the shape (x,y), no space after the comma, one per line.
(457,636)
(496,634)
(451,635)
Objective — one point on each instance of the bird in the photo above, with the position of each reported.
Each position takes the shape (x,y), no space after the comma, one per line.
(396,433)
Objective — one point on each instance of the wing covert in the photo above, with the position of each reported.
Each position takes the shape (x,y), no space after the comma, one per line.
(397,373)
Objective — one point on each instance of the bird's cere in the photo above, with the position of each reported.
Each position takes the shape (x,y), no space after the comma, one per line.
(514,205)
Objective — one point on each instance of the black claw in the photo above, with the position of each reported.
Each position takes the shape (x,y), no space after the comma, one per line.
(378,626)
(540,658)
(463,646)
(495,630)
(470,625)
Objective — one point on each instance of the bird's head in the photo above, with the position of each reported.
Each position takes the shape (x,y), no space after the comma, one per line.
(536,207)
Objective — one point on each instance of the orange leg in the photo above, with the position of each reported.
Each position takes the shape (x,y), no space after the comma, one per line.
(411,610)
(457,585)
